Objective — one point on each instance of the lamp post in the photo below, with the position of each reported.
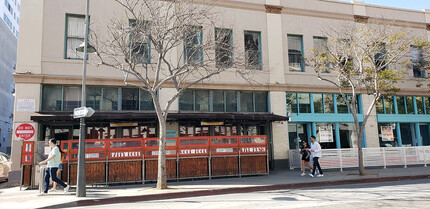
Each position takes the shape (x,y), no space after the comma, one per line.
(81,178)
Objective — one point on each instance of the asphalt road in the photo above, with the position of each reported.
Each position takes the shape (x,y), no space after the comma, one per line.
(403,194)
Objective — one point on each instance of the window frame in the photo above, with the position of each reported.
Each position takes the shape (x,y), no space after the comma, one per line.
(231,56)
(260,65)
(148,44)
(66,34)
(200,48)
(302,62)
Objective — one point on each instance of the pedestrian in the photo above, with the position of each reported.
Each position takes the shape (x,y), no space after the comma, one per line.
(306,156)
(53,162)
(315,155)
(60,169)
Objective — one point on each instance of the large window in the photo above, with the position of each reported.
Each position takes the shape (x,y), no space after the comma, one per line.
(223,101)
(323,103)
(304,103)
(405,105)
(348,137)
(224,47)
(418,62)
(326,135)
(253,50)
(193,45)
(139,42)
(75,33)
(342,107)
(66,98)
(318,103)
(389,138)
(295,53)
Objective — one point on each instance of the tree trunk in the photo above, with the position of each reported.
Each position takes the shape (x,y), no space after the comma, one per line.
(360,151)
(162,174)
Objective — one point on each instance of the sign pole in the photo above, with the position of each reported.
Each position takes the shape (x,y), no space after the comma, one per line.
(81,178)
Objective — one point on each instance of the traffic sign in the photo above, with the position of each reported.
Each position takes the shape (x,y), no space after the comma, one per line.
(24,131)
(83,112)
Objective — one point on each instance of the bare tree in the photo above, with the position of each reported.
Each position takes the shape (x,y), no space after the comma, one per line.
(180,55)
(359,57)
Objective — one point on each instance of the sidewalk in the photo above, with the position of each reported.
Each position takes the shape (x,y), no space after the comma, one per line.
(287,179)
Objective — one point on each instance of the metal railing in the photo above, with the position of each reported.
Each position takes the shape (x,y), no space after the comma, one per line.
(380,157)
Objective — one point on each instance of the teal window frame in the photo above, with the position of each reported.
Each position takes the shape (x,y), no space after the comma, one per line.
(302,62)
(149,44)
(200,48)
(231,56)
(260,64)
(335,110)
(66,32)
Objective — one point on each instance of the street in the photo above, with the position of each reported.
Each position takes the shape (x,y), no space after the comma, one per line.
(403,194)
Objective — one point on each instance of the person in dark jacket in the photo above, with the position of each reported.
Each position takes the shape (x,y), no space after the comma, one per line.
(306,156)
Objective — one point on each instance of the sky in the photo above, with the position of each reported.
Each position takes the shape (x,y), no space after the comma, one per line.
(407,4)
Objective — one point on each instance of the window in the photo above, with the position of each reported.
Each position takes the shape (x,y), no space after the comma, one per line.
(318,103)
(223,48)
(410,105)
(146,102)
(252,50)
(201,100)
(420,105)
(381,57)
(328,103)
(418,62)
(342,107)
(427,104)
(389,105)
(52,98)
(231,101)
(193,45)
(348,137)
(186,101)
(110,99)
(130,99)
(7,21)
(94,95)
(295,53)
(320,44)
(75,32)
(326,135)
(380,106)
(218,101)
(71,97)
(246,102)
(292,102)
(304,103)
(260,101)
(140,43)
(386,142)
(401,105)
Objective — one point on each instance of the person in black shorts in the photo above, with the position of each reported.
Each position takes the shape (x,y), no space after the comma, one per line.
(306,156)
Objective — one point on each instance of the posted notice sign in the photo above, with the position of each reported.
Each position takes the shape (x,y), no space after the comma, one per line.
(326,134)
(25,132)
(387,133)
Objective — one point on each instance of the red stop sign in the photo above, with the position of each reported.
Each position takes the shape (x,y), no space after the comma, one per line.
(25,131)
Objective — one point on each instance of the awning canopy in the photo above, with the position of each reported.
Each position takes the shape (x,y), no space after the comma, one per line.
(117,116)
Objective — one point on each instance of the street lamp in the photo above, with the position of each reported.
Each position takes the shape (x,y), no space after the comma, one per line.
(85,47)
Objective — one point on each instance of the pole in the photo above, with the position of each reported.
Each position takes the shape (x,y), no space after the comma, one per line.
(81,179)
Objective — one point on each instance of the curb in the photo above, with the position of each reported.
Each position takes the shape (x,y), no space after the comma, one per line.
(127,199)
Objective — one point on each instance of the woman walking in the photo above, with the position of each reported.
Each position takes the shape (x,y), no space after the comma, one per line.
(306,156)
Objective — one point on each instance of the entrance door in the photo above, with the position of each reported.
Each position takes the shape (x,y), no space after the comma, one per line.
(297,132)
(425,134)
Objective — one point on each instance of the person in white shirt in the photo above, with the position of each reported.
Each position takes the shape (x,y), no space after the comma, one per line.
(315,155)
(53,162)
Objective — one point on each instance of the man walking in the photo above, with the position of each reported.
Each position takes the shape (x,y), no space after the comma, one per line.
(315,154)
(53,162)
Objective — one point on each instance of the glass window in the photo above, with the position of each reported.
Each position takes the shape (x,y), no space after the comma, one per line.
(193,45)
(295,53)
(146,100)
(380,56)
(246,104)
(130,99)
(401,105)
(252,50)
(304,103)
(223,47)
(420,105)
(292,102)
(389,105)
(260,101)
(348,136)
(231,101)
(406,130)
(320,43)
(318,103)
(94,95)
(202,100)
(387,141)
(342,107)
(110,99)
(380,106)
(325,135)
(51,98)
(328,103)
(427,104)
(72,98)
(75,33)
(418,62)
(410,105)
(218,101)
(140,43)
(186,102)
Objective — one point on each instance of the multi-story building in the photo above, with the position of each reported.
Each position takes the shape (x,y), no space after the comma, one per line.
(48,76)
(9,12)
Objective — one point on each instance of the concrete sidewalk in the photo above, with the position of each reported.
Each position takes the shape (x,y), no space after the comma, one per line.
(287,179)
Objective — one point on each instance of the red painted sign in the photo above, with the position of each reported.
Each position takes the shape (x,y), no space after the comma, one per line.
(25,131)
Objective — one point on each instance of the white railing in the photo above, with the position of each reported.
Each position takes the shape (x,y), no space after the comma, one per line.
(384,156)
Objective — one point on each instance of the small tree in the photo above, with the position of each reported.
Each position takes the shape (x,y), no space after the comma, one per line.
(180,55)
(362,57)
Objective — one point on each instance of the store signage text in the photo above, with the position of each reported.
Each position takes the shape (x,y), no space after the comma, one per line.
(253,149)
(125,154)
(192,151)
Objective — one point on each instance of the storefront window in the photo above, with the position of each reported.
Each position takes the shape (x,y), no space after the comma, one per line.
(186,102)
(401,105)
(304,103)
(341,104)
(292,136)
(328,103)
(410,105)
(420,105)
(389,105)
(130,99)
(260,101)
(94,95)
(146,101)
(348,137)
(202,100)
(387,135)
(246,104)
(326,135)
(218,101)
(110,99)
(52,98)
(318,103)
(231,101)
(427,104)
(380,106)
(72,98)
(406,130)
(291,102)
